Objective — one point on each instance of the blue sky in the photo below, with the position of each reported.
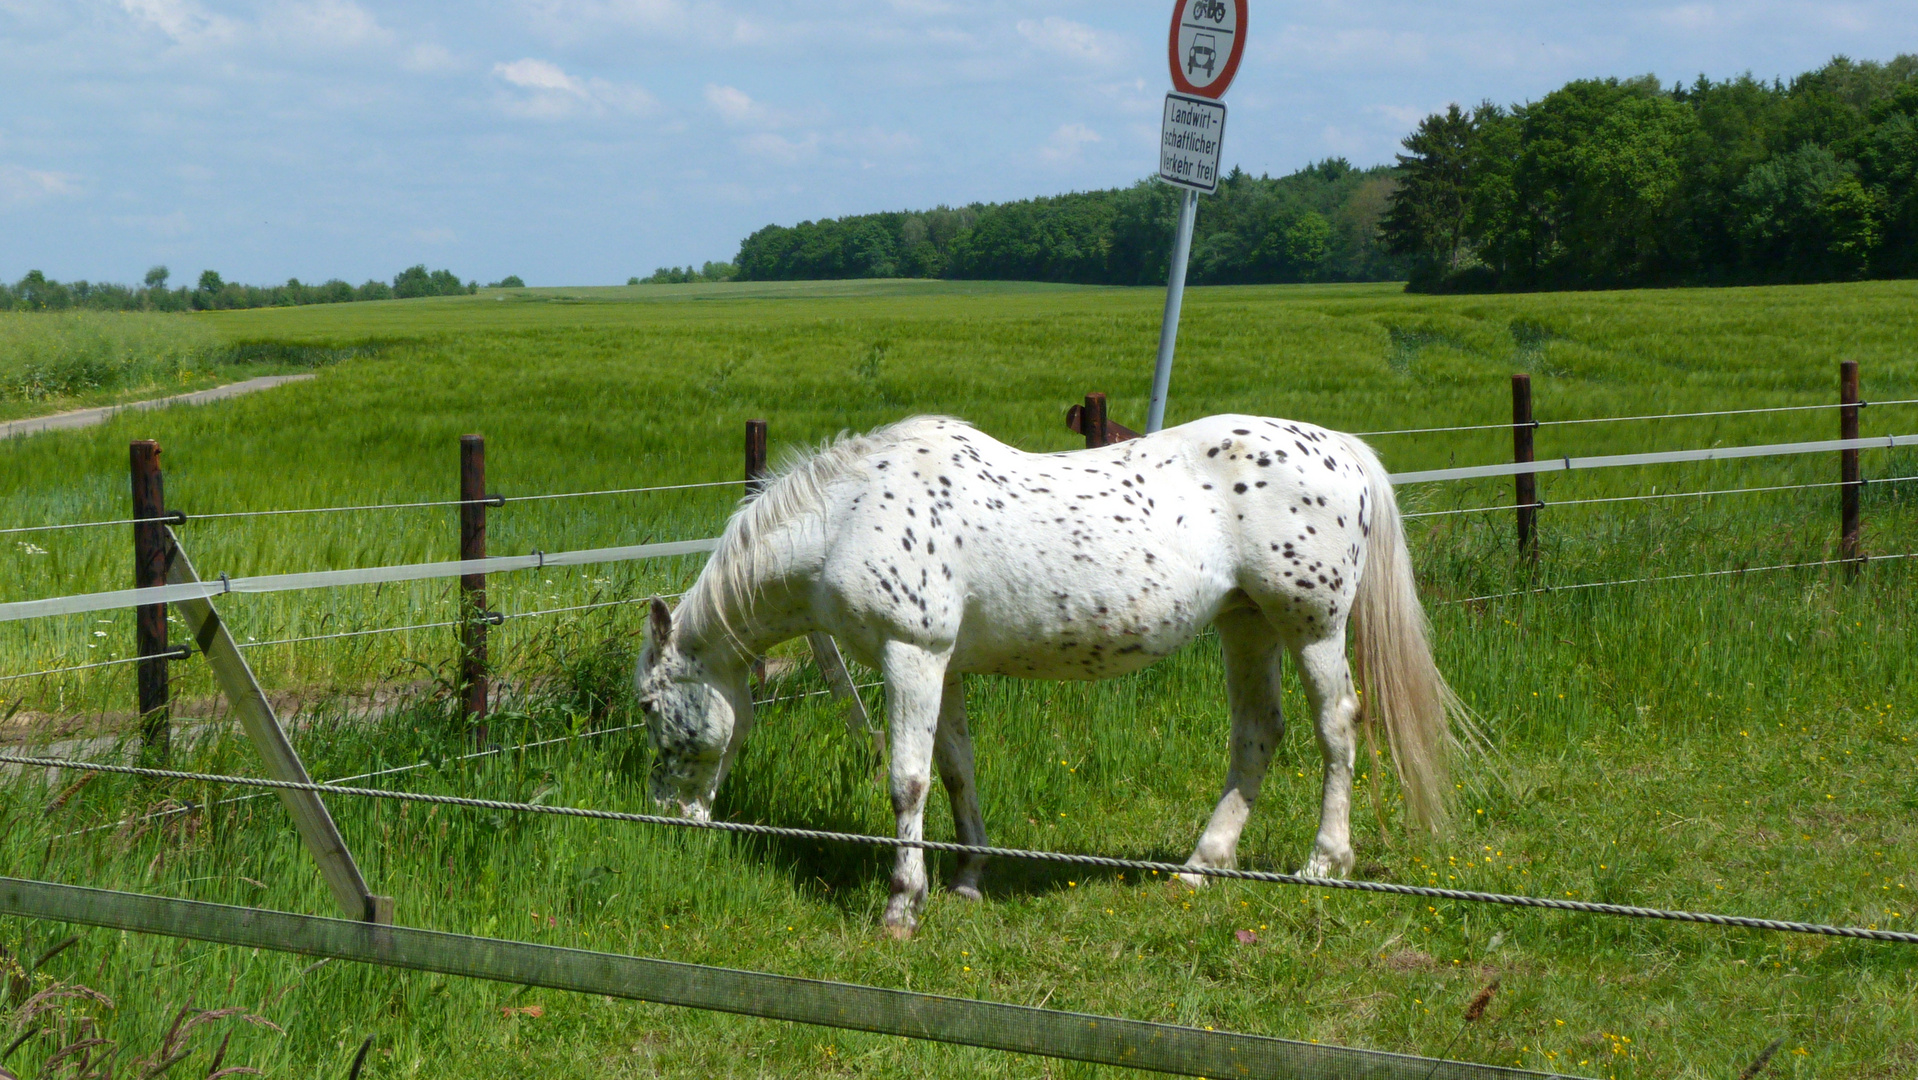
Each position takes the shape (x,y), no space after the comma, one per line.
(581,141)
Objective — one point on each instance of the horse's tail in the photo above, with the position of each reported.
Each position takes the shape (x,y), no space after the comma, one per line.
(1403,691)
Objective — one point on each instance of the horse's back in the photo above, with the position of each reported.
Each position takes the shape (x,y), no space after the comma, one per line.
(1090,563)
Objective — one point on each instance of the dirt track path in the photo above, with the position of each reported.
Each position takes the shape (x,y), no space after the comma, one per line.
(80,418)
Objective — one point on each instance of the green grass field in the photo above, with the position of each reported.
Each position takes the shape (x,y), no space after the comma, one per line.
(1741,745)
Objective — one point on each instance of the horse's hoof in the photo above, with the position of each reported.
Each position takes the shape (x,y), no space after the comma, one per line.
(1321,865)
(966,892)
(1194,882)
(898,932)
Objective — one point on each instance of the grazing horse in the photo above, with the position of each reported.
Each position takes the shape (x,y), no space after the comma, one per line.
(932,550)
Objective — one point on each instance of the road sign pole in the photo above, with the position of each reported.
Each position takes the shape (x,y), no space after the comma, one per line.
(1174,299)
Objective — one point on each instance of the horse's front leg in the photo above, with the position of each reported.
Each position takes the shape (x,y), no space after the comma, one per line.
(1251,650)
(915,679)
(1328,686)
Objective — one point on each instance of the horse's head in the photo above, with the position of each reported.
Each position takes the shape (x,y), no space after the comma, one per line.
(690,713)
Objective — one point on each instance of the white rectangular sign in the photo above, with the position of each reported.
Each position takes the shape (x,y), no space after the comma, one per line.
(1189,142)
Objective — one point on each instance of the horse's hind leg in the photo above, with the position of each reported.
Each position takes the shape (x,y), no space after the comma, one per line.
(1328,686)
(1251,648)
(915,678)
(952,751)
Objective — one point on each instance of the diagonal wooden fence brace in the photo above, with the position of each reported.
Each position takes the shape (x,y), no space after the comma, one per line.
(317,831)
(1017,1028)
(825,653)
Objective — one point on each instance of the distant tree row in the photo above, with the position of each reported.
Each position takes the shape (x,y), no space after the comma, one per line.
(37,292)
(1318,224)
(1607,183)
(674,275)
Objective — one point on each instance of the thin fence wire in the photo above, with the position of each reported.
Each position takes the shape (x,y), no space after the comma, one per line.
(1680,577)
(625,491)
(88,525)
(1728,491)
(1540,505)
(347,634)
(1471,510)
(491,500)
(1628,419)
(338,509)
(1721,412)
(1432,430)
(1103,862)
(178,655)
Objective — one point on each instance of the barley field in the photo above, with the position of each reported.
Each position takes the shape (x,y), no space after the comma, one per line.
(1739,744)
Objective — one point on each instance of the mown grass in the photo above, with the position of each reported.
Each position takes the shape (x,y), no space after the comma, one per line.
(1739,745)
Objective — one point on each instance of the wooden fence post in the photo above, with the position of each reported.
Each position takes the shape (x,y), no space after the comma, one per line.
(1848,473)
(150,551)
(473,625)
(1093,420)
(1525,485)
(755,456)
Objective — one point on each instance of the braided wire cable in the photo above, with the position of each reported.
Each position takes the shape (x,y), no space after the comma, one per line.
(491,751)
(1103,862)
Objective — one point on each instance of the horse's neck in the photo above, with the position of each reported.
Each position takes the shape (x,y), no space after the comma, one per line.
(776,588)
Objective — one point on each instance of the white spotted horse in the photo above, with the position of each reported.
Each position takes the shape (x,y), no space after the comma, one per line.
(931,550)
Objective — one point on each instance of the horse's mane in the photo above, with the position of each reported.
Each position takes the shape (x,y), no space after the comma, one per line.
(722,598)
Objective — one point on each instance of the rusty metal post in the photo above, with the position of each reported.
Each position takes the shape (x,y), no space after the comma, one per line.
(1525,485)
(1848,474)
(150,551)
(1093,421)
(474,684)
(755,456)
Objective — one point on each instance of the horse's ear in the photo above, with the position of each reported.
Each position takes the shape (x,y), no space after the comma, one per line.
(659,623)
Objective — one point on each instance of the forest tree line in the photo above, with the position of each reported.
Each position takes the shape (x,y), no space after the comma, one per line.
(37,292)
(1611,183)
(1318,224)
(1603,183)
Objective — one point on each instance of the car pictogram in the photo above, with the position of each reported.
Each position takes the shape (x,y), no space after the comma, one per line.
(1203,54)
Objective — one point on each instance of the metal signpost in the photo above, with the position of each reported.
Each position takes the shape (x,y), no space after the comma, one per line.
(1203,50)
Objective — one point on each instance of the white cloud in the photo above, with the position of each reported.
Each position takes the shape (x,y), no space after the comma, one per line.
(430,59)
(704,21)
(555,94)
(1066,143)
(734,105)
(19,185)
(434,236)
(1408,116)
(539,75)
(1073,40)
(778,149)
(1690,17)
(325,24)
(160,226)
(739,109)
(182,20)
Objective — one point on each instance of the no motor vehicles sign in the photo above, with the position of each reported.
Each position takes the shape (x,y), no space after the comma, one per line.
(1189,142)
(1207,39)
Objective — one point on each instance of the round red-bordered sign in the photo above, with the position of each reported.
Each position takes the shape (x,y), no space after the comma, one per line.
(1207,40)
